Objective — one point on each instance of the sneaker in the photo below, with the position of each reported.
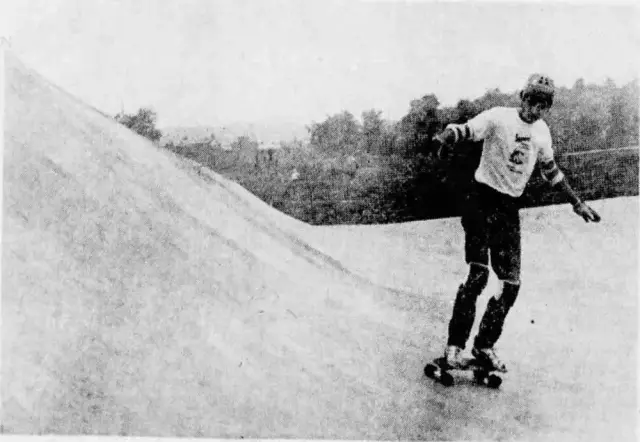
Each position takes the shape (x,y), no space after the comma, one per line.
(489,357)
(452,356)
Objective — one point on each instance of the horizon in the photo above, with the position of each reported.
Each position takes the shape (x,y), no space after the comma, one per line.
(218,63)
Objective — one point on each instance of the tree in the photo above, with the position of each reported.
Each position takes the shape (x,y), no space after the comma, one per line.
(143,123)
(579,85)
(245,150)
(243,142)
(630,94)
(372,131)
(466,110)
(338,133)
(420,124)
(616,129)
(494,97)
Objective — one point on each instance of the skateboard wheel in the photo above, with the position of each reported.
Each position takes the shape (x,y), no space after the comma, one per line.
(446,379)
(479,377)
(430,370)
(494,381)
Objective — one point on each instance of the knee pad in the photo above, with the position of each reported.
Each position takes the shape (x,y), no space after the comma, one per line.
(477,279)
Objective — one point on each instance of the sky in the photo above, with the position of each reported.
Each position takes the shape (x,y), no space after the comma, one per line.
(212,62)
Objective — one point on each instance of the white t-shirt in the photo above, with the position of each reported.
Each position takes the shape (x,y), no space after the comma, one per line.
(511,148)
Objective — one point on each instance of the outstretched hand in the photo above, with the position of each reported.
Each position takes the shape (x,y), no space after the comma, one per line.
(439,139)
(586,212)
(440,146)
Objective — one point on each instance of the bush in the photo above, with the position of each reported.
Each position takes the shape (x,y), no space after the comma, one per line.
(378,171)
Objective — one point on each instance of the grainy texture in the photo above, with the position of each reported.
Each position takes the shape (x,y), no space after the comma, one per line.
(144,296)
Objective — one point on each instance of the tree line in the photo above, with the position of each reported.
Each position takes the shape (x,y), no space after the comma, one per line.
(372,170)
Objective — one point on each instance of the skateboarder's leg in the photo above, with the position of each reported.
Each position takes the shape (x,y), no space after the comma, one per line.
(494,317)
(475,225)
(464,307)
(505,260)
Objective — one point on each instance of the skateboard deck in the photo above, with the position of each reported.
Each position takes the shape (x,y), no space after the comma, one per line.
(482,374)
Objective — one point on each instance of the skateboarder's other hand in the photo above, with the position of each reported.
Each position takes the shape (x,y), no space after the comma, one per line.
(439,139)
(586,212)
(440,146)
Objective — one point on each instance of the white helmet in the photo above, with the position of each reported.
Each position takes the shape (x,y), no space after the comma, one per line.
(539,85)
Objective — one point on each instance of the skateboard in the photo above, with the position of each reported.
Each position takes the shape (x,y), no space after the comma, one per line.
(482,374)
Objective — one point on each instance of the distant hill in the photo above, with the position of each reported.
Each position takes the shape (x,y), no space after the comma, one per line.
(267,132)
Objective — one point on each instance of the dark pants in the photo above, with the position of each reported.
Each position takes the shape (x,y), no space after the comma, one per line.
(491,223)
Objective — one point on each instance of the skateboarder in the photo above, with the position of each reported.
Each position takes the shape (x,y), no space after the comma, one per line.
(513,140)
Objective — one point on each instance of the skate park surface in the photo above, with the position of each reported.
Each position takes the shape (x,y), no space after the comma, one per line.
(145,296)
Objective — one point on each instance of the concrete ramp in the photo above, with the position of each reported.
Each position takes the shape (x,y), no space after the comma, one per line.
(145,296)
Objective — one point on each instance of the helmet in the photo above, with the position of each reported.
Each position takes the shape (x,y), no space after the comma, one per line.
(540,86)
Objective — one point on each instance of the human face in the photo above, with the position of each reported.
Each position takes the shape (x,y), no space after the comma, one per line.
(533,108)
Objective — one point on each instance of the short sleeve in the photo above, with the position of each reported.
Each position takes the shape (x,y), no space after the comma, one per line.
(545,145)
(482,124)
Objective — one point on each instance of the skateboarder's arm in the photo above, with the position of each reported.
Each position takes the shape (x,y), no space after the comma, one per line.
(475,129)
(564,186)
(552,173)
(450,136)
